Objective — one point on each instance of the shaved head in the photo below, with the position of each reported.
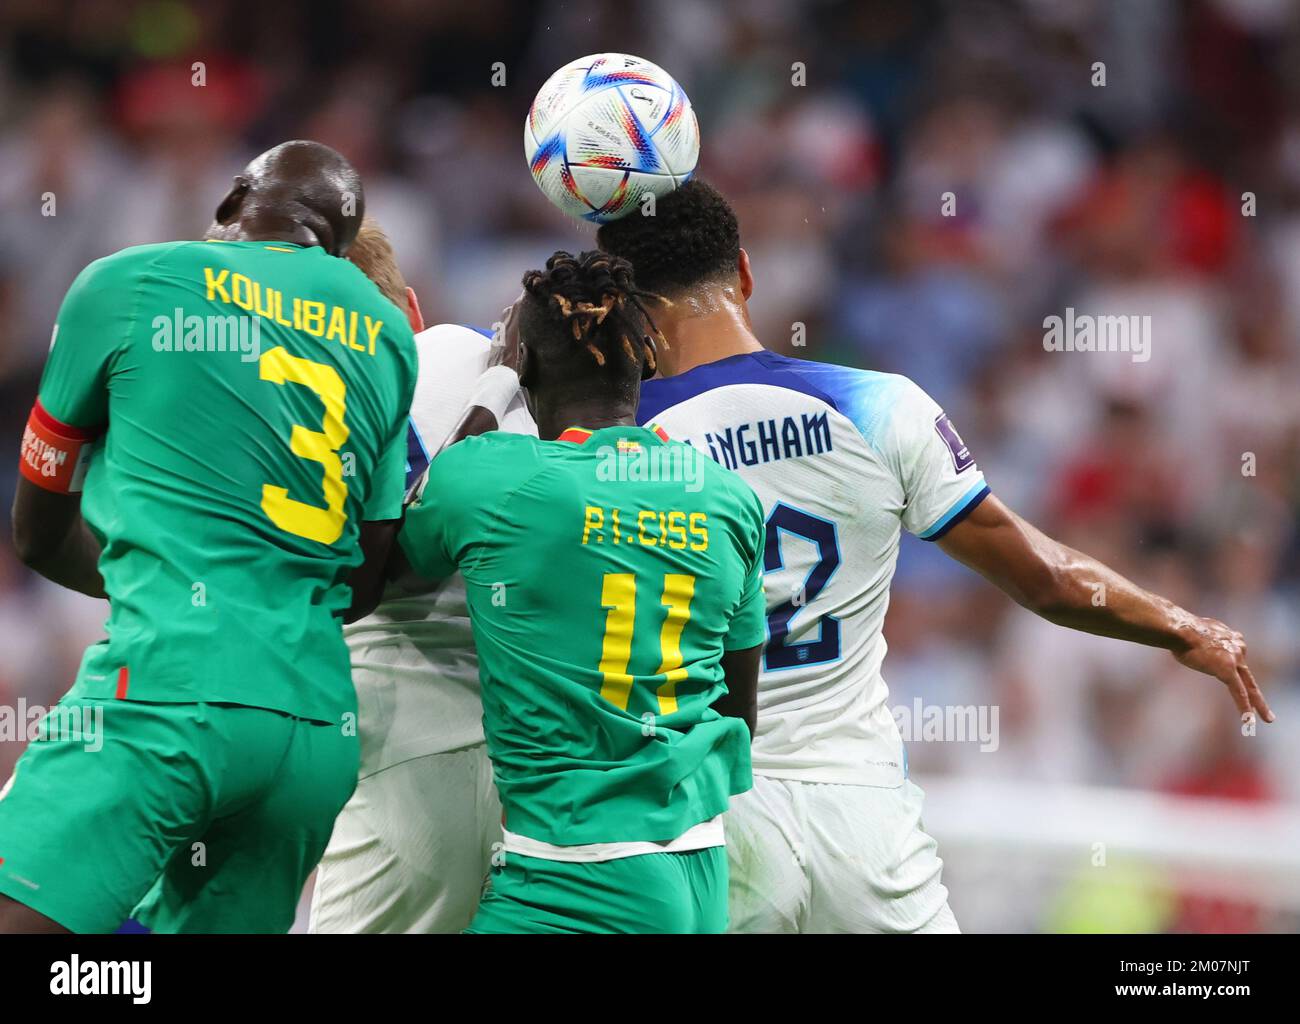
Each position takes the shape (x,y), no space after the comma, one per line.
(300,192)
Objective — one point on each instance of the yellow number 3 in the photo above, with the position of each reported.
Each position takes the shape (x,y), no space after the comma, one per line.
(297,517)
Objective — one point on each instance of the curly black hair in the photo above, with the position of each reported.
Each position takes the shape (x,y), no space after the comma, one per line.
(592,300)
(693,237)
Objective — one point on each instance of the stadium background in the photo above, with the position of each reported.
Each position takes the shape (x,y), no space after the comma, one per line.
(1120,795)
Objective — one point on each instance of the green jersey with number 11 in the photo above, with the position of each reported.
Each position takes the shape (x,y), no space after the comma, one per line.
(606,574)
(252,398)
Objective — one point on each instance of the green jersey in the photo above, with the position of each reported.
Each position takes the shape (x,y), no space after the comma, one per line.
(254,397)
(606,574)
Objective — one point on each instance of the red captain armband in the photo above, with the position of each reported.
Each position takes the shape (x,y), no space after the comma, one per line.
(54,455)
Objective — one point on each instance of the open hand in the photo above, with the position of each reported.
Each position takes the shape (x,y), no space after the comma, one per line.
(1219,650)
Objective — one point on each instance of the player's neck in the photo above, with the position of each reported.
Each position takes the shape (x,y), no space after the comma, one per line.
(696,340)
(554,420)
(261,231)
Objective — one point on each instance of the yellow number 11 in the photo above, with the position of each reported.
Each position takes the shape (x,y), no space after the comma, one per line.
(618,598)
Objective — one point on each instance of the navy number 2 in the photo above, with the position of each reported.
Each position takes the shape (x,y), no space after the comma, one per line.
(780,653)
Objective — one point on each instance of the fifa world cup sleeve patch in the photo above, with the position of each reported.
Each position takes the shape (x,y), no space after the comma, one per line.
(54,455)
(961,456)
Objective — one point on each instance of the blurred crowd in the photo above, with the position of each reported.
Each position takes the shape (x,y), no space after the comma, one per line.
(919,184)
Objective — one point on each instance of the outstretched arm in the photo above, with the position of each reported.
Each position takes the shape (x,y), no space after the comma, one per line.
(1071,589)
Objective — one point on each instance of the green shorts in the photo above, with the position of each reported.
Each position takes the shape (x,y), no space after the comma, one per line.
(189,817)
(655,893)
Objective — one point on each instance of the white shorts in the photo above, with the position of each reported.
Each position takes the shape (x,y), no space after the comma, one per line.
(412,848)
(814,857)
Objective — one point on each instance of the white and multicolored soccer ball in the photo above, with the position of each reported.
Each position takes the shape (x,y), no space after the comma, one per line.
(606,129)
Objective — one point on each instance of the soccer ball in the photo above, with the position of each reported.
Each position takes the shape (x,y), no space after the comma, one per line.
(606,129)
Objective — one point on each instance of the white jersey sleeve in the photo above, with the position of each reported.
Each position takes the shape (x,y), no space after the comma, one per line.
(934,466)
(413,659)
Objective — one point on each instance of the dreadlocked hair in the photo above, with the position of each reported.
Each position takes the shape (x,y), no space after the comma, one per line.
(592,299)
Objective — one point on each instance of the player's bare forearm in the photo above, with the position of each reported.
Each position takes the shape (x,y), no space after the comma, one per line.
(740,669)
(52,539)
(74,563)
(477,420)
(1075,590)
(368,579)
(1061,584)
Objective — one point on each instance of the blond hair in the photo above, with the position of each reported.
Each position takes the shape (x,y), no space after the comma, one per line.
(373,254)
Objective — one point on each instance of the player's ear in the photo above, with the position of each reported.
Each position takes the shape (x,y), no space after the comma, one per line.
(527,366)
(746,274)
(234,201)
(413,315)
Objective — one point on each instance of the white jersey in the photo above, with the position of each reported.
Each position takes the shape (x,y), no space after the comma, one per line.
(843,460)
(413,659)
